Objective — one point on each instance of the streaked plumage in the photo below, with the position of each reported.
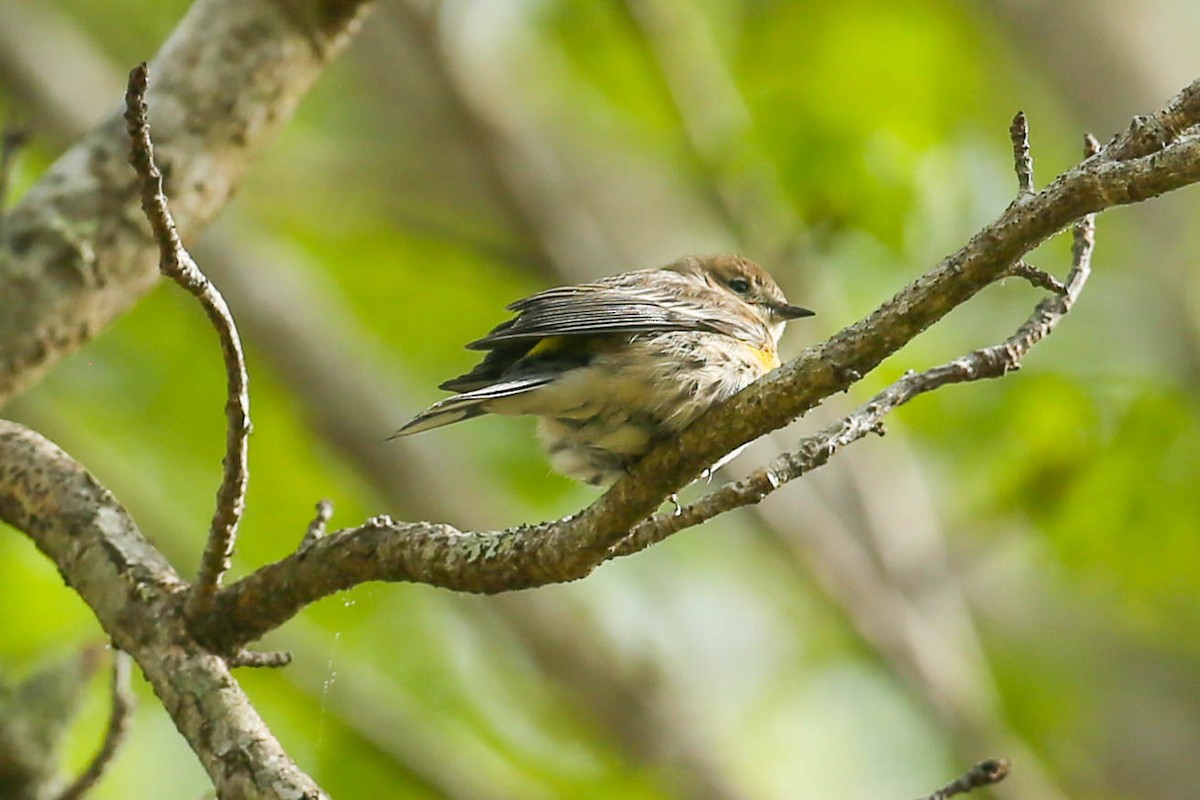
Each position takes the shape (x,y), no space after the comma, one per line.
(614,366)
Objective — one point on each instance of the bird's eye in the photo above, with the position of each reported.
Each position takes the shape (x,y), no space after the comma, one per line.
(739,285)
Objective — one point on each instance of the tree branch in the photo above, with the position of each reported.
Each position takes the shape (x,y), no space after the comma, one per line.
(97,548)
(176,263)
(816,450)
(75,255)
(985,773)
(1037,277)
(848,550)
(1022,158)
(528,556)
(138,599)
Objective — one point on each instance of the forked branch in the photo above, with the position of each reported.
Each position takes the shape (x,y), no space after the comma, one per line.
(176,263)
(618,523)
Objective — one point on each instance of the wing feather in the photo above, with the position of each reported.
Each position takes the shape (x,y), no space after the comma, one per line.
(617,305)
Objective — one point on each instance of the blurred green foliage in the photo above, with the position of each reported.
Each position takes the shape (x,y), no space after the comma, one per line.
(1066,493)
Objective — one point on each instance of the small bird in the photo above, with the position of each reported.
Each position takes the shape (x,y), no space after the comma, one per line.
(612,368)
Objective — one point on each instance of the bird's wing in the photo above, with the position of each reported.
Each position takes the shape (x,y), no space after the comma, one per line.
(604,307)
(549,332)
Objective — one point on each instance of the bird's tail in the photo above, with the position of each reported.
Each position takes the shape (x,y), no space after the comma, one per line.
(445,412)
(469,404)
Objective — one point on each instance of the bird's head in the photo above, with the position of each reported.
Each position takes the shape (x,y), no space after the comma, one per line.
(749,283)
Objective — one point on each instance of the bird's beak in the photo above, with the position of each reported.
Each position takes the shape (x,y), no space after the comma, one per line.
(791,312)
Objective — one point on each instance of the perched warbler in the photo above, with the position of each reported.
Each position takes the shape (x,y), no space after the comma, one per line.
(614,367)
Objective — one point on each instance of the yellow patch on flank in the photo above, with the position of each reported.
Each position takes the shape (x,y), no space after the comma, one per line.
(766,356)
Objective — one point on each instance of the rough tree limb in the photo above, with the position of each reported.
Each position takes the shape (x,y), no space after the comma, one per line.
(816,450)
(138,599)
(528,556)
(75,253)
(100,545)
(837,547)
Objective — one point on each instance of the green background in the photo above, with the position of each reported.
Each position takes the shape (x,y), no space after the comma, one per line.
(1046,525)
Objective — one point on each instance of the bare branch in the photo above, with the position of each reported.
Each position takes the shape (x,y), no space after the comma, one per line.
(123,705)
(76,220)
(1037,277)
(138,599)
(269,659)
(1022,157)
(527,556)
(816,450)
(1161,129)
(985,773)
(823,370)
(316,528)
(176,263)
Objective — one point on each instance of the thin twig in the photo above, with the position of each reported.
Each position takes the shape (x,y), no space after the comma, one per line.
(123,705)
(1038,277)
(1083,241)
(316,528)
(1022,157)
(269,659)
(814,451)
(177,264)
(985,773)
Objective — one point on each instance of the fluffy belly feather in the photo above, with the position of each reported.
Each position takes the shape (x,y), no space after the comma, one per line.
(599,420)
